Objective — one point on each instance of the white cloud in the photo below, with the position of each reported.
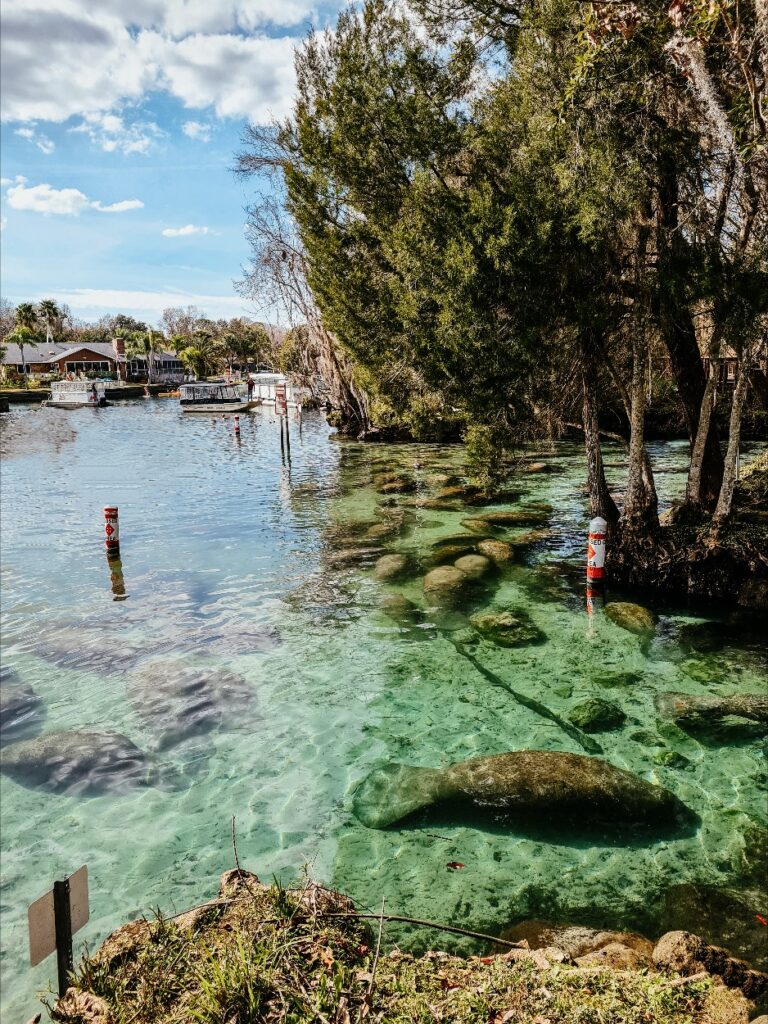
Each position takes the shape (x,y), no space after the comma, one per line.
(5,181)
(196,130)
(3,222)
(188,229)
(64,201)
(45,199)
(93,302)
(63,58)
(42,142)
(238,76)
(121,207)
(110,133)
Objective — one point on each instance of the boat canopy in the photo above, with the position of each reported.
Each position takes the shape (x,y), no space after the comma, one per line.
(81,385)
(205,391)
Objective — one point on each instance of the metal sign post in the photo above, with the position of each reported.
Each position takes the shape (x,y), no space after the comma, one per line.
(281,408)
(54,919)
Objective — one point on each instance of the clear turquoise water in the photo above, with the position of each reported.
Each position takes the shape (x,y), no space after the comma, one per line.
(231,561)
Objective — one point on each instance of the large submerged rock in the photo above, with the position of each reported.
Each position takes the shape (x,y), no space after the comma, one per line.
(523,786)
(392,567)
(597,715)
(587,946)
(632,617)
(446,585)
(499,551)
(180,702)
(477,567)
(77,763)
(506,628)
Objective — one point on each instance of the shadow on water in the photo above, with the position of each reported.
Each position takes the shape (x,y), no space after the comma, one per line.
(579,828)
(725,734)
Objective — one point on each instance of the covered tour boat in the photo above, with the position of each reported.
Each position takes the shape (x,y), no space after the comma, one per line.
(203,396)
(76,394)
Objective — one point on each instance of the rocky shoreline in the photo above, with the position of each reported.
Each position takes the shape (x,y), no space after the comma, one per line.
(264,953)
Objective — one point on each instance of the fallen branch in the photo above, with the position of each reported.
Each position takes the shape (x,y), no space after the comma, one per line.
(584,741)
(369,916)
(677,982)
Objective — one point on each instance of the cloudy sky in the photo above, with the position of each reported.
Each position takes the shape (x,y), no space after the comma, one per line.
(120,121)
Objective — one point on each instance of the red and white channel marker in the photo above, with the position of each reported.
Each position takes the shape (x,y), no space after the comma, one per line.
(596,549)
(111,530)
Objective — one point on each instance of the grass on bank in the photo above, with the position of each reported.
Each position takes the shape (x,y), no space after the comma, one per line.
(266,954)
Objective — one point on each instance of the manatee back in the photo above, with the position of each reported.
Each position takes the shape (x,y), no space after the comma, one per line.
(543,782)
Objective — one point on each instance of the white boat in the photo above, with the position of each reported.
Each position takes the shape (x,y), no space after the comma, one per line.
(203,396)
(265,387)
(76,394)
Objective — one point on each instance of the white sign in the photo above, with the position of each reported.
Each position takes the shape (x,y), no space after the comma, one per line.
(42,924)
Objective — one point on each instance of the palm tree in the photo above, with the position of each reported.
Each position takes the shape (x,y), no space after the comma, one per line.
(202,356)
(146,343)
(50,314)
(23,336)
(25,332)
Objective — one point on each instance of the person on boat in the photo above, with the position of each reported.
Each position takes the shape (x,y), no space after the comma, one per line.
(251,385)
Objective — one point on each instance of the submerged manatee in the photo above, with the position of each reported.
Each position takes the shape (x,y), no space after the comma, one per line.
(179,702)
(690,709)
(21,710)
(88,650)
(524,785)
(77,763)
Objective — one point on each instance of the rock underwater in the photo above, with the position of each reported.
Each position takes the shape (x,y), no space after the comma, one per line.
(525,786)
(78,763)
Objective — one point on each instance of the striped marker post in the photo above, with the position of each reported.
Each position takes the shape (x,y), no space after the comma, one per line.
(596,550)
(112,531)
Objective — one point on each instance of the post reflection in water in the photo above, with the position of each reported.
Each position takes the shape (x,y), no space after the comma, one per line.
(116,578)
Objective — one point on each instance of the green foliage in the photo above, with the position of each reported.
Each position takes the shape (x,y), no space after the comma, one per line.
(488,450)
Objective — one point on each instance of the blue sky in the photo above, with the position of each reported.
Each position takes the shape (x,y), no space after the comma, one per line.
(119,130)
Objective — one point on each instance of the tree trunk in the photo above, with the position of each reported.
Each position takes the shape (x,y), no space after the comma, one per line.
(693,490)
(600,501)
(725,498)
(23,363)
(639,510)
(679,336)
(639,514)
